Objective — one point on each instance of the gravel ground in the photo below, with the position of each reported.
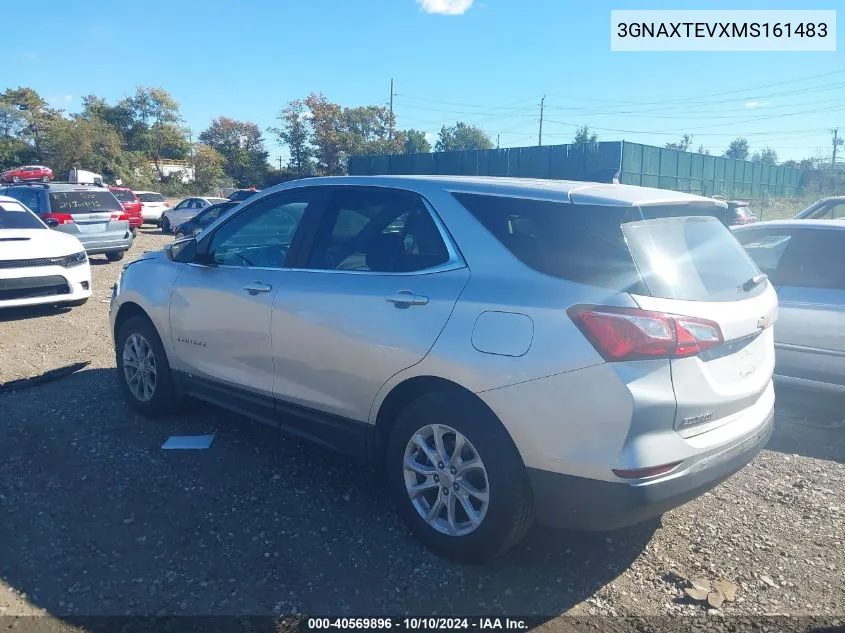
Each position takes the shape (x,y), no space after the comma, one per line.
(97,520)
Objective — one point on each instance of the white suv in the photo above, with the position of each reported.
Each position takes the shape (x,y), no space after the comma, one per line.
(587,355)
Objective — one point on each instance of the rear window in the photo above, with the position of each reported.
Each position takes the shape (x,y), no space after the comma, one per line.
(674,251)
(83,202)
(124,195)
(14,215)
(151,197)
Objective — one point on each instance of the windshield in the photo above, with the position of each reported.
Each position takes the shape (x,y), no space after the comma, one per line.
(14,215)
(124,195)
(151,197)
(83,202)
(242,195)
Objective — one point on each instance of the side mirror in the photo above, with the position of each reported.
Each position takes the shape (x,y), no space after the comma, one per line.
(182,251)
(51,222)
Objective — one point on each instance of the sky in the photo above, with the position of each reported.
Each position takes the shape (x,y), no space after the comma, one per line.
(486,62)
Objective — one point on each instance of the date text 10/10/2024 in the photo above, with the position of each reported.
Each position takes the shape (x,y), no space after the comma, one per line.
(418,624)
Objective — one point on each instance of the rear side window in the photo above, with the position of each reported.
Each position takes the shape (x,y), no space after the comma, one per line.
(124,195)
(672,251)
(30,198)
(151,197)
(83,202)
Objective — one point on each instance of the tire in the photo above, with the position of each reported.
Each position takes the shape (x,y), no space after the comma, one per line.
(164,397)
(45,178)
(165,225)
(135,232)
(16,179)
(509,512)
(115,256)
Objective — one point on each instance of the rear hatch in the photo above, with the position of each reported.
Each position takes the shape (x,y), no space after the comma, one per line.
(694,267)
(88,212)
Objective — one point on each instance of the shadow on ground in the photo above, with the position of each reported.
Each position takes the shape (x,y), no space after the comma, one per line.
(809,424)
(98,520)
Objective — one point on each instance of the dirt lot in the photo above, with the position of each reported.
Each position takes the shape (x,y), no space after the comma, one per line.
(98,520)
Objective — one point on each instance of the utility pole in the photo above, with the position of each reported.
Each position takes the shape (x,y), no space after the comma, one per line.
(542,107)
(391,108)
(836,143)
(497,141)
(280,163)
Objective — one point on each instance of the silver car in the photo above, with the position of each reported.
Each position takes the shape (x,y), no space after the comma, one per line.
(90,213)
(805,260)
(587,355)
(186,210)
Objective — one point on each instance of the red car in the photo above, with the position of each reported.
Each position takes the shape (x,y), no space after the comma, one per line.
(131,204)
(28,172)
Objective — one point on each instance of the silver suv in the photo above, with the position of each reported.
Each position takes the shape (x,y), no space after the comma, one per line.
(505,350)
(91,214)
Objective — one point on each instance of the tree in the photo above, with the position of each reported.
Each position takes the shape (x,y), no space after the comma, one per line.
(88,144)
(294,132)
(367,130)
(416,142)
(242,147)
(701,150)
(768,155)
(738,149)
(208,168)
(683,145)
(34,117)
(583,137)
(155,126)
(790,163)
(462,137)
(327,125)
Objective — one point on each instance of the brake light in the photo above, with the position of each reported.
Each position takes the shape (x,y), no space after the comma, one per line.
(634,334)
(119,215)
(61,218)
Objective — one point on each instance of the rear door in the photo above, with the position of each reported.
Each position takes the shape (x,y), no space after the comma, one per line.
(366,301)
(807,266)
(693,266)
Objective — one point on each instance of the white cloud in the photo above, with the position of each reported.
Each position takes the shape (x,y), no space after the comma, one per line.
(756,104)
(445,7)
(68,98)
(431,136)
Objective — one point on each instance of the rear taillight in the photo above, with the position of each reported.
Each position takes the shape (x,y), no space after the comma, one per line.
(119,215)
(634,334)
(61,218)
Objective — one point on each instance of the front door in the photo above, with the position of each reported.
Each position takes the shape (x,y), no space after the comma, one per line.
(221,324)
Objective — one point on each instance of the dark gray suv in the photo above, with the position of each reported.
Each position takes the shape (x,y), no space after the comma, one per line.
(91,214)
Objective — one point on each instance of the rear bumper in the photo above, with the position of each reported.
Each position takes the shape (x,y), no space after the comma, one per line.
(590,504)
(97,245)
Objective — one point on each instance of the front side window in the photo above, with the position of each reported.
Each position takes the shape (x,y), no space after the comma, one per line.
(262,234)
(377,230)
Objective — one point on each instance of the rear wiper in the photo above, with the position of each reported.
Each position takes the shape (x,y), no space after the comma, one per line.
(755,281)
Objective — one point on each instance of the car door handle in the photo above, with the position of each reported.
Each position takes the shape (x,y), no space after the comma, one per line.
(256,287)
(406,298)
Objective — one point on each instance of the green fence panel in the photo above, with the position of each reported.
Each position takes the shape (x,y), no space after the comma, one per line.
(448,163)
(632,160)
(402,164)
(684,171)
(559,162)
(498,162)
(424,164)
(668,169)
(650,166)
